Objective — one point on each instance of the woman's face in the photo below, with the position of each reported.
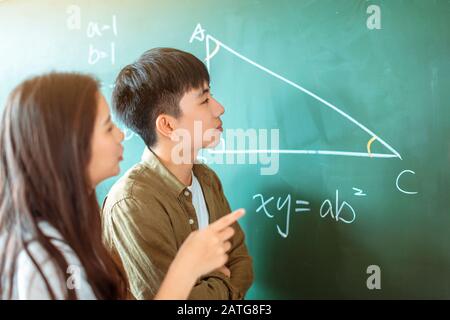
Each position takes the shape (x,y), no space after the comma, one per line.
(106,146)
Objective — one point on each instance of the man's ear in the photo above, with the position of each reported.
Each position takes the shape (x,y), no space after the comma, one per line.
(165,125)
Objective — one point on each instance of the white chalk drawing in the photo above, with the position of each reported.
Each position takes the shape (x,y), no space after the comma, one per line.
(210,41)
(398,180)
(339,211)
(359,192)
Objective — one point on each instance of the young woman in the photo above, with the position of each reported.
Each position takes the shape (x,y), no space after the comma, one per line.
(57,142)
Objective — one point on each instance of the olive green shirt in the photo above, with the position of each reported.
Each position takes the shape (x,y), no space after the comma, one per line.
(148,214)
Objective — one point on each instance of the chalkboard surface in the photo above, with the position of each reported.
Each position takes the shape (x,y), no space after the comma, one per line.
(342,158)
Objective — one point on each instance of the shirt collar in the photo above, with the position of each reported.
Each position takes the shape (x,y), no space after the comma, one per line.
(153,162)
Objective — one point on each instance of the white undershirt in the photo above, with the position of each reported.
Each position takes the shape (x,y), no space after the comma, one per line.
(198,201)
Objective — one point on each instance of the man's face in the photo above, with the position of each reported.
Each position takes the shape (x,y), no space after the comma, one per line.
(200,116)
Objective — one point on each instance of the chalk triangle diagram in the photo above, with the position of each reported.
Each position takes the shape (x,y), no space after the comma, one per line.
(212,47)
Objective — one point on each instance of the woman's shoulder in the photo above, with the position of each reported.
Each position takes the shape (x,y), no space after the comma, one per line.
(30,279)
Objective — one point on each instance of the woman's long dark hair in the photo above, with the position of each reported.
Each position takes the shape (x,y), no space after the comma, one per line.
(45,147)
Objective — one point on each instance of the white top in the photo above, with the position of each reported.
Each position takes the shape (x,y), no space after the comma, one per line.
(29,284)
(198,201)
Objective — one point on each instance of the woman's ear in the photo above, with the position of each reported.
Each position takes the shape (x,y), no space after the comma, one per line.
(165,126)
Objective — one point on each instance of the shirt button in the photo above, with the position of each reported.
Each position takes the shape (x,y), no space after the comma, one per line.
(191,221)
(186,193)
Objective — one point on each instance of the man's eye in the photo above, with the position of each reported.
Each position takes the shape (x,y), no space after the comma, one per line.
(206,101)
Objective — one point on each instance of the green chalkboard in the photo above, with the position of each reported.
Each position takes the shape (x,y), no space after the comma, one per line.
(348,197)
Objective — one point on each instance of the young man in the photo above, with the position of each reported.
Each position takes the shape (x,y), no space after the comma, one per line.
(165,98)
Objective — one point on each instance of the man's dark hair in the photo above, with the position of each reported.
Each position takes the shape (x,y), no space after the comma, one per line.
(154,85)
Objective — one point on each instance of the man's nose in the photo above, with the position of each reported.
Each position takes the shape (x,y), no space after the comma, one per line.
(218,108)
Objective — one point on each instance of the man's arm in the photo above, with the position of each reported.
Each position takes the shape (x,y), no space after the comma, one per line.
(240,262)
(142,236)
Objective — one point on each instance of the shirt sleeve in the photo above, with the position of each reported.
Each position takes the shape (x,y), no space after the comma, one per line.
(239,262)
(142,242)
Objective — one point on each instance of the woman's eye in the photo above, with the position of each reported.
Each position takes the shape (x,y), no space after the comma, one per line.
(206,100)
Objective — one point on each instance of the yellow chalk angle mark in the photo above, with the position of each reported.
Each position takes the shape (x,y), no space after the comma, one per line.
(369,144)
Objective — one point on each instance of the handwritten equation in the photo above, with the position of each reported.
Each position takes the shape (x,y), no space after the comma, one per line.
(95,30)
(333,208)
